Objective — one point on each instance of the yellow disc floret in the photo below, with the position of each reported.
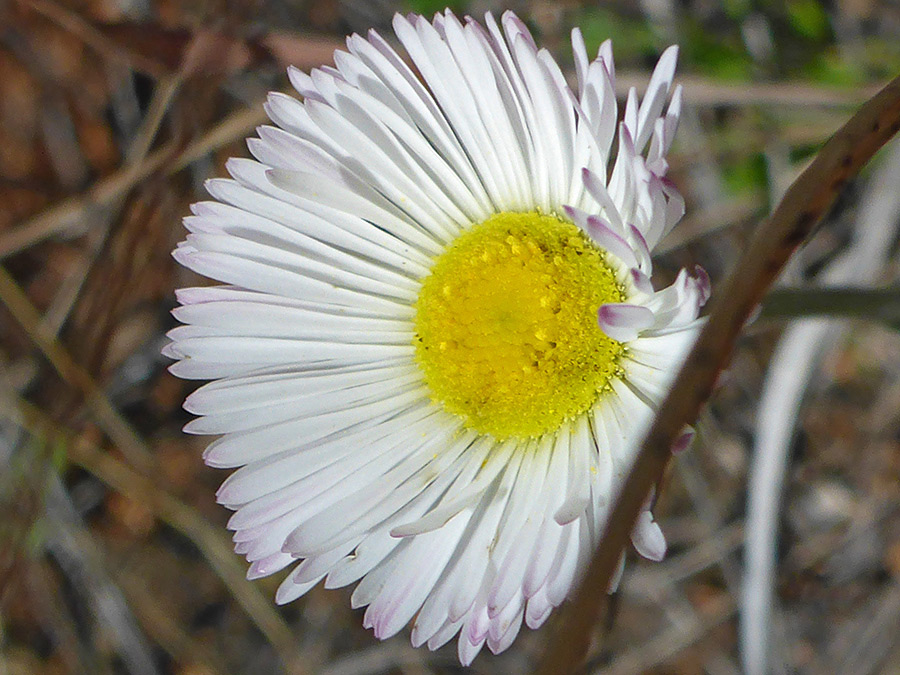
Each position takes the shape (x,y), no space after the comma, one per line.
(506,325)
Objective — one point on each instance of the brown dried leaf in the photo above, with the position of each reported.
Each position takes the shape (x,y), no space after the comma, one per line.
(213,53)
(302,51)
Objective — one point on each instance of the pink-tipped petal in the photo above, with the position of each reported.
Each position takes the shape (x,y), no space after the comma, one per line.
(703,284)
(624,322)
(641,281)
(604,236)
(648,538)
(683,441)
(641,249)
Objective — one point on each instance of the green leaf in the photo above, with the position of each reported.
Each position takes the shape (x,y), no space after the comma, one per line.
(632,39)
(808,18)
(59,457)
(748,175)
(830,67)
(430,7)
(720,55)
(737,9)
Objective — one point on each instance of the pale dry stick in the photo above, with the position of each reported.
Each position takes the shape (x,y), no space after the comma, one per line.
(795,361)
(57,623)
(872,635)
(708,509)
(651,580)
(78,556)
(872,304)
(106,415)
(180,517)
(710,220)
(860,642)
(819,549)
(701,91)
(163,95)
(65,214)
(233,128)
(791,368)
(808,199)
(69,290)
(165,629)
(661,648)
(166,160)
(75,24)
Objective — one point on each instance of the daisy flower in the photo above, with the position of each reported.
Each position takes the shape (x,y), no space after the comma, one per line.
(438,346)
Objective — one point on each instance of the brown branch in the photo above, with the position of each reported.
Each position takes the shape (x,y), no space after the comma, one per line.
(804,204)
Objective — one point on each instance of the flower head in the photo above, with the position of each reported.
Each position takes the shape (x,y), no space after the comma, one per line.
(438,345)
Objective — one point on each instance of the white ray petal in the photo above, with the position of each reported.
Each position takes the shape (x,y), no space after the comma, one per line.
(418,569)
(236,394)
(289,591)
(467,495)
(538,609)
(258,479)
(444,635)
(648,538)
(260,276)
(508,624)
(655,98)
(260,416)
(581,453)
(309,235)
(324,190)
(264,320)
(363,508)
(316,566)
(420,106)
(268,566)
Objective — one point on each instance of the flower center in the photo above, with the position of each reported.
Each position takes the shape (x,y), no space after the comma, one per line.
(506,325)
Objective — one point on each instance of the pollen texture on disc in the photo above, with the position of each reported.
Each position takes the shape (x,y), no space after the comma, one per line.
(506,325)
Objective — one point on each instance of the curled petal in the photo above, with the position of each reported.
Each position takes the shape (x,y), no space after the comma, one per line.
(683,441)
(624,322)
(641,281)
(648,538)
(704,286)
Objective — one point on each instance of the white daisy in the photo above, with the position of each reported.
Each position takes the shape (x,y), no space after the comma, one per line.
(439,345)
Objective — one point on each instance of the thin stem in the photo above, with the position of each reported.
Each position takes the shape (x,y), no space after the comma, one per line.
(880,304)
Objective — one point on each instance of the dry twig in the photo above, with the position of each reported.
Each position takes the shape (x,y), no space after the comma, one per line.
(166,159)
(645,657)
(182,518)
(105,413)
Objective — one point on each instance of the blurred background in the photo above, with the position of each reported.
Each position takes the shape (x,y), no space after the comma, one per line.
(113,553)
